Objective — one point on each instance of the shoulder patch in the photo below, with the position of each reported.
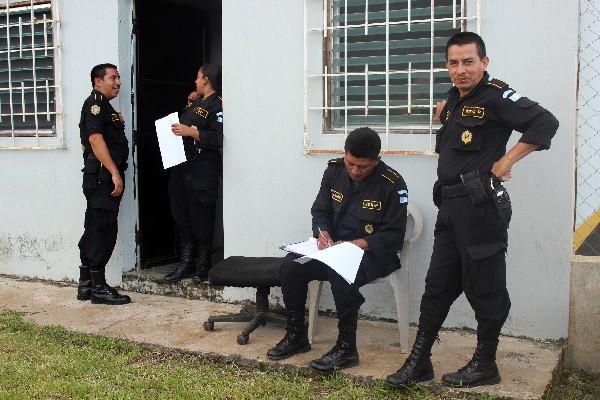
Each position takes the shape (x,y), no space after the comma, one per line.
(403,196)
(95,109)
(497,84)
(335,161)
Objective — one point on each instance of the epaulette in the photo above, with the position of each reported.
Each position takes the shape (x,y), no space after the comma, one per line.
(391,175)
(497,84)
(335,161)
(97,96)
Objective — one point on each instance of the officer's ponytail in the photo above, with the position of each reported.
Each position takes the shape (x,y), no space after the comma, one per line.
(213,73)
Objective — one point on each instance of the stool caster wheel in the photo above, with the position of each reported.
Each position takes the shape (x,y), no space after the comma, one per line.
(243,339)
(208,326)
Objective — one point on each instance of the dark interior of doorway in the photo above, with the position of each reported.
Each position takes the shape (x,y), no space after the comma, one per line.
(174,38)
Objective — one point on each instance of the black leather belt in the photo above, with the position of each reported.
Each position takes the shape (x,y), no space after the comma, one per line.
(454,191)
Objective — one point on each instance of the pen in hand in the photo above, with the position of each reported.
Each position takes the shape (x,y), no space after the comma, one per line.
(324,240)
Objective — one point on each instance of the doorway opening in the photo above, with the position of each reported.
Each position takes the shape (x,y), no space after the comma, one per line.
(174,38)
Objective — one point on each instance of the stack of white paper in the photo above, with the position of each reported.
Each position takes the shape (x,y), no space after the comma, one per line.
(343,258)
(171,145)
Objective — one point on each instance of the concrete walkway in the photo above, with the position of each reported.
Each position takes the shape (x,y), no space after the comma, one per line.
(526,366)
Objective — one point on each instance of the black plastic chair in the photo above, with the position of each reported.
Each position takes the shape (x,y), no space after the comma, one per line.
(259,272)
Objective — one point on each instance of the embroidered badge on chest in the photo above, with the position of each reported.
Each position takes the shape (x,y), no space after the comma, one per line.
(337,196)
(371,205)
(466,137)
(201,112)
(95,109)
(368,229)
(473,112)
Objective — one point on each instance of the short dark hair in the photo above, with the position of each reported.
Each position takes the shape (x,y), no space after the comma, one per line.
(363,143)
(213,73)
(463,38)
(99,71)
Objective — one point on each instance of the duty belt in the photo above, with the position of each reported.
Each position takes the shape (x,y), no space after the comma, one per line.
(454,191)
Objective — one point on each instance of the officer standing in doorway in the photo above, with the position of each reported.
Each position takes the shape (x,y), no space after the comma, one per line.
(194,184)
(105,153)
(470,236)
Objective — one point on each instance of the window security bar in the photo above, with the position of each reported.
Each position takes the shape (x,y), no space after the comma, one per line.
(30,89)
(365,81)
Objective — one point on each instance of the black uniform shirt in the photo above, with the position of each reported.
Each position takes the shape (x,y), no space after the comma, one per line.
(477,127)
(373,209)
(98,116)
(206,115)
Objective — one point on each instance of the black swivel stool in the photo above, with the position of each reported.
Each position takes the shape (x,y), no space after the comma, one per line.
(259,272)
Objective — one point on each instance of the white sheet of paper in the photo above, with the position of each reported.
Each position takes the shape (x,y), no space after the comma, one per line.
(171,145)
(343,258)
(303,248)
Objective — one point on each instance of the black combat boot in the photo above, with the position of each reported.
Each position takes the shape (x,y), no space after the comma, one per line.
(84,287)
(295,340)
(481,370)
(203,264)
(101,293)
(186,267)
(417,367)
(342,355)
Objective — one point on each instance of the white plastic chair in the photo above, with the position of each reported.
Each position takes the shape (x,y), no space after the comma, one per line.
(397,279)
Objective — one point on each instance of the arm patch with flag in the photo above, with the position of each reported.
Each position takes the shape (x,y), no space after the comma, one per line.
(403,196)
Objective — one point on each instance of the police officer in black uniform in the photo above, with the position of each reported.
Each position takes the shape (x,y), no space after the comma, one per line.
(105,152)
(470,237)
(193,185)
(361,200)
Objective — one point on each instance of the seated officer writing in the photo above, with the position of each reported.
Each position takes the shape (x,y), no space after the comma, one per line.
(361,200)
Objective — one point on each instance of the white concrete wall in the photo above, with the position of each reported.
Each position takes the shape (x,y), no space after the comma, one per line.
(269,184)
(43,205)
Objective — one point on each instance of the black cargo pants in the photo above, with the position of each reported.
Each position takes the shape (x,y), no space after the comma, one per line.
(101,225)
(294,286)
(193,191)
(469,249)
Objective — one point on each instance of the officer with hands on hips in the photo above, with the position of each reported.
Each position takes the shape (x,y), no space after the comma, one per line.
(105,152)
(471,231)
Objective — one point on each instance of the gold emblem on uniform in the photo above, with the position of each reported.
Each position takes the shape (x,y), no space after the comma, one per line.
(471,111)
(95,109)
(371,205)
(466,137)
(201,112)
(337,196)
(368,229)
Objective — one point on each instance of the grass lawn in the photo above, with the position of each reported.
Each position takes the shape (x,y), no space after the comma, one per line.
(39,362)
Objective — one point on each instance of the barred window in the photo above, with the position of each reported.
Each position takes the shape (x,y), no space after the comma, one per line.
(28,88)
(383,65)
